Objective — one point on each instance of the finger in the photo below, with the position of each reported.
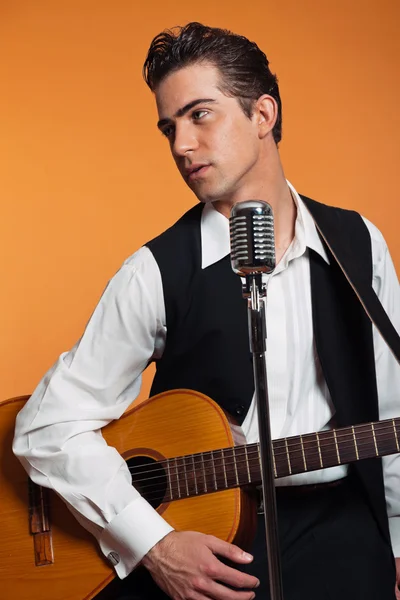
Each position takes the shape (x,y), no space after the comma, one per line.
(216,591)
(235,578)
(228,550)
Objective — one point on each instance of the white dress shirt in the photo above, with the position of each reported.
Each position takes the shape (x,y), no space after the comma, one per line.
(57,433)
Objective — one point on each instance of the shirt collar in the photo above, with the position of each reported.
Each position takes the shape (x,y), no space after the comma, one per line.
(215,242)
(305,225)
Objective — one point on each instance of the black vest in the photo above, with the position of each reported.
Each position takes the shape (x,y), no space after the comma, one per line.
(207,347)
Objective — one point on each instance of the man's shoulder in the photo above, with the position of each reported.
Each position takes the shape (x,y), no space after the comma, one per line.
(379,245)
(350,215)
(167,246)
(190,220)
(352,232)
(375,233)
(178,249)
(321,207)
(339,223)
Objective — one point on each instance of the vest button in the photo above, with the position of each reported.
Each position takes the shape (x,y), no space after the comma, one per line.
(239,410)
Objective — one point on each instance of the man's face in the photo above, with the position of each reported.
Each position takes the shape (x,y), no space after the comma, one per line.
(216,147)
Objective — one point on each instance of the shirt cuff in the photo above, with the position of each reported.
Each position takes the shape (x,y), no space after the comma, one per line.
(394,528)
(131,534)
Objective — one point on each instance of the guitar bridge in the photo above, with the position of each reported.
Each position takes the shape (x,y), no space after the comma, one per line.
(39,524)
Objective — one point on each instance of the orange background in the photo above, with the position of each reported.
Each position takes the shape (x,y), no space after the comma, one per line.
(86,178)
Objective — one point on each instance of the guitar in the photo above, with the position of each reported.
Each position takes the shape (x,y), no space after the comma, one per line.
(186,458)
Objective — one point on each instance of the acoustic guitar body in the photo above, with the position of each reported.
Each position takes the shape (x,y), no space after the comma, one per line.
(46,555)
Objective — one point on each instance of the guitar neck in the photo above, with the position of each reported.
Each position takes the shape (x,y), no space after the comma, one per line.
(226,468)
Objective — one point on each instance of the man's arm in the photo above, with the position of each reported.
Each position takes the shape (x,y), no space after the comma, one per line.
(386,286)
(57,435)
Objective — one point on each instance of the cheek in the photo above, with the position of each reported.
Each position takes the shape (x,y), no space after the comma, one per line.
(232,143)
(241,133)
(240,149)
(228,142)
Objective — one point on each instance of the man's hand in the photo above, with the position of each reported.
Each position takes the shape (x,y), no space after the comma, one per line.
(397,578)
(184,566)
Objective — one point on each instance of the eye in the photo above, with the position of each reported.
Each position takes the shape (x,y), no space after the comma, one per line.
(199,114)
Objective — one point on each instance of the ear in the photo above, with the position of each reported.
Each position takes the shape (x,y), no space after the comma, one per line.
(265,112)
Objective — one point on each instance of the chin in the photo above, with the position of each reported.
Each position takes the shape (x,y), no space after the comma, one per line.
(206,198)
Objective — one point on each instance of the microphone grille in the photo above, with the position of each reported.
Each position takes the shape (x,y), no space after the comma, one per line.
(252,238)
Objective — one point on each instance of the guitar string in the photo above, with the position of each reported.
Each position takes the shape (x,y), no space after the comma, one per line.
(282,458)
(309,438)
(292,449)
(175,491)
(179,472)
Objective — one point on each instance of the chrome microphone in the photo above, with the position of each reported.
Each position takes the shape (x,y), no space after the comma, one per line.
(252,254)
(251,227)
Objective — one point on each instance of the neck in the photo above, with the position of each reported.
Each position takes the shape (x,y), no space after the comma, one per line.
(271,186)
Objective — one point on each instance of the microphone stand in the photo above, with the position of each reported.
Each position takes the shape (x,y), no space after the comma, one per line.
(254,291)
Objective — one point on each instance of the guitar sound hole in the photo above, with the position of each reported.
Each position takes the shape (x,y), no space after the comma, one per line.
(149,478)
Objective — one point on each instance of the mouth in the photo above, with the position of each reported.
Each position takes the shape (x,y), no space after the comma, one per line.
(196,172)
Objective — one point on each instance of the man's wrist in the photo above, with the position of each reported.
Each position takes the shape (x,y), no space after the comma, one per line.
(151,556)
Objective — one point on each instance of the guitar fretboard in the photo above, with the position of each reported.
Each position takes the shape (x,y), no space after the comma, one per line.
(226,468)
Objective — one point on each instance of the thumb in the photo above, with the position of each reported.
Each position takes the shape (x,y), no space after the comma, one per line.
(227,550)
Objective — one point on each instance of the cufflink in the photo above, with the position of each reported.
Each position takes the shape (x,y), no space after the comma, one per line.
(113,557)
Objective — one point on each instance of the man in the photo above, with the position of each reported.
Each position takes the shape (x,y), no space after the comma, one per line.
(220,110)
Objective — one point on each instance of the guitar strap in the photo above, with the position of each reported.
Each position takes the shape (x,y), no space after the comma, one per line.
(342,253)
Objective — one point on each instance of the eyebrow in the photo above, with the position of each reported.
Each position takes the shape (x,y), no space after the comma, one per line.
(182,111)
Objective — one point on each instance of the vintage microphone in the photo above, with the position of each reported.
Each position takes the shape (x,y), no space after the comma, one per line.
(252,254)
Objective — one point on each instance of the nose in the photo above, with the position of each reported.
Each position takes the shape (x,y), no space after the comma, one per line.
(184,141)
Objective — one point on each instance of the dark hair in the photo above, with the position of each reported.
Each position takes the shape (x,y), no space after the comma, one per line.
(244,69)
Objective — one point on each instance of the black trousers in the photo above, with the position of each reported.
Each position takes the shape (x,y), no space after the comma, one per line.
(331,549)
